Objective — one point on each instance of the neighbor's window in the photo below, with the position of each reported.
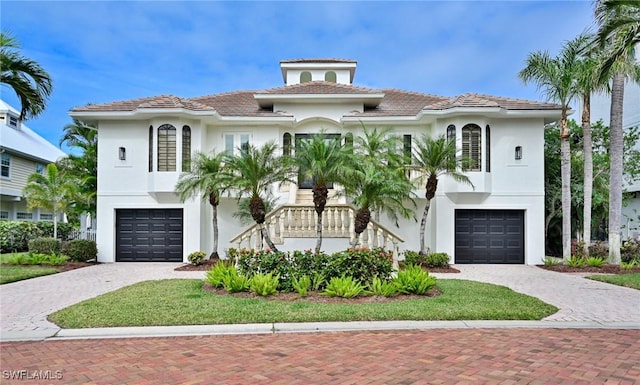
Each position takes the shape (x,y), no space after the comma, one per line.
(46,217)
(5,169)
(471,147)
(166,148)
(4,215)
(40,168)
(186,148)
(24,215)
(406,148)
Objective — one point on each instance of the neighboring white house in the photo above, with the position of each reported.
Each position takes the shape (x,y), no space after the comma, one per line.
(23,153)
(145,144)
(601,110)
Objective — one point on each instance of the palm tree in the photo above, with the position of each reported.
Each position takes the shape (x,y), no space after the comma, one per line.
(588,82)
(619,32)
(53,191)
(322,159)
(206,180)
(434,158)
(31,83)
(83,166)
(378,189)
(252,173)
(557,77)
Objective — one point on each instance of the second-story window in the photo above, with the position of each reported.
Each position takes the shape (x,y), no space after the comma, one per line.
(5,167)
(186,148)
(472,147)
(166,148)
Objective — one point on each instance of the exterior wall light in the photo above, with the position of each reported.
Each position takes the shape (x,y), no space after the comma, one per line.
(122,153)
(518,152)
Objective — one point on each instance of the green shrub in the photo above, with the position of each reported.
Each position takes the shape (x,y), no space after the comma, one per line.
(599,250)
(38,259)
(383,288)
(345,287)
(279,264)
(196,257)
(576,261)
(45,246)
(301,285)
(235,283)
(80,250)
(595,261)
(264,284)
(15,235)
(414,280)
(414,258)
(215,277)
(437,260)
(551,261)
(361,264)
(628,265)
(630,251)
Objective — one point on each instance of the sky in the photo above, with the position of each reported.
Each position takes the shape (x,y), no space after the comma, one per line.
(103,51)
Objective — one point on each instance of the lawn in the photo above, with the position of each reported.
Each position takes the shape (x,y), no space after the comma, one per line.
(628,280)
(185,302)
(18,273)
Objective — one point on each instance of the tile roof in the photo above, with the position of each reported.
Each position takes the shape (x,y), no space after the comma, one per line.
(394,103)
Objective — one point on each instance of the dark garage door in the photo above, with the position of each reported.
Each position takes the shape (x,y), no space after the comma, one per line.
(145,235)
(489,236)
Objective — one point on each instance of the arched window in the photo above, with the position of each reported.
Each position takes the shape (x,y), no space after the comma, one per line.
(186,148)
(330,77)
(305,77)
(406,148)
(150,148)
(451,133)
(487,141)
(286,144)
(166,148)
(472,147)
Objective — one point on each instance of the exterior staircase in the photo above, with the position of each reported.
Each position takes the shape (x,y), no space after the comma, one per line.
(299,220)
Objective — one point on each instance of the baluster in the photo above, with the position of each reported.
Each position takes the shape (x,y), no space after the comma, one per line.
(375,236)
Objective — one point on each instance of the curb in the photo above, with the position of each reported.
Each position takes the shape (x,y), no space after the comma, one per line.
(310,327)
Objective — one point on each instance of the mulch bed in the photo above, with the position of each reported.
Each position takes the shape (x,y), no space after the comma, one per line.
(316,297)
(604,269)
(206,265)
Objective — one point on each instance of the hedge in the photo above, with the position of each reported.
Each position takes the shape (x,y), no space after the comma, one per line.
(15,235)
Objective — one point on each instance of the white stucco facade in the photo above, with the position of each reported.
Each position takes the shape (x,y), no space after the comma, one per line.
(503,182)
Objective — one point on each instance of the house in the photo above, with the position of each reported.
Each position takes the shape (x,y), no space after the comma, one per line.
(601,110)
(23,153)
(146,143)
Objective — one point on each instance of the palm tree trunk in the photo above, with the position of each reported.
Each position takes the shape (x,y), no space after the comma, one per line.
(267,238)
(423,225)
(565,155)
(588,170)
(319,234)
(320,195)
(615,179)
(214,210)
(55,224)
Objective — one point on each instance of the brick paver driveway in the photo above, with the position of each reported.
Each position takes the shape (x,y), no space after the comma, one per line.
(444,356)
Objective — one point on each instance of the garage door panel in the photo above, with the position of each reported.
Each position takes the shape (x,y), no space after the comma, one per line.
(497,236)
(149,235)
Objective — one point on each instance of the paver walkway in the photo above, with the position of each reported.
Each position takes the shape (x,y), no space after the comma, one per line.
(470,356)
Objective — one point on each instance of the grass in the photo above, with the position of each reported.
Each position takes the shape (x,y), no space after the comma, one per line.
(15,273)
(185,302)
(627,280)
